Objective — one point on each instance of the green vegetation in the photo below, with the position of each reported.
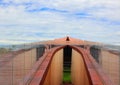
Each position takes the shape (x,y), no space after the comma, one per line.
(67,76)
(4,50)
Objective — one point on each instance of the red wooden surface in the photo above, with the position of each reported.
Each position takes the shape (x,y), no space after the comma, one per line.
(94,72)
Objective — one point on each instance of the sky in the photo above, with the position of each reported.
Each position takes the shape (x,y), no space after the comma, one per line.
(25,21)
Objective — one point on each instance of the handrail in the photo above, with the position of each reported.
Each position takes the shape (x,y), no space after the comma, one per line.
(42,68)
(94,72)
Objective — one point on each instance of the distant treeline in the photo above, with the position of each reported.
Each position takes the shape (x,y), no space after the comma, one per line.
(4,50)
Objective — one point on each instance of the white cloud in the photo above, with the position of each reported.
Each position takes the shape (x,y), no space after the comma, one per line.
(94,20)
(11,42)
(118,33)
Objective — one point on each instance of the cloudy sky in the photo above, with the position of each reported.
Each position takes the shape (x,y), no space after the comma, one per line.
(23,21)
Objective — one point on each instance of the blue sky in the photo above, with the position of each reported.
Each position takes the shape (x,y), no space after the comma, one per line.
(23,21)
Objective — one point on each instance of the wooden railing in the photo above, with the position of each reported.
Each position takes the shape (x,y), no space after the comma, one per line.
(94,73)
